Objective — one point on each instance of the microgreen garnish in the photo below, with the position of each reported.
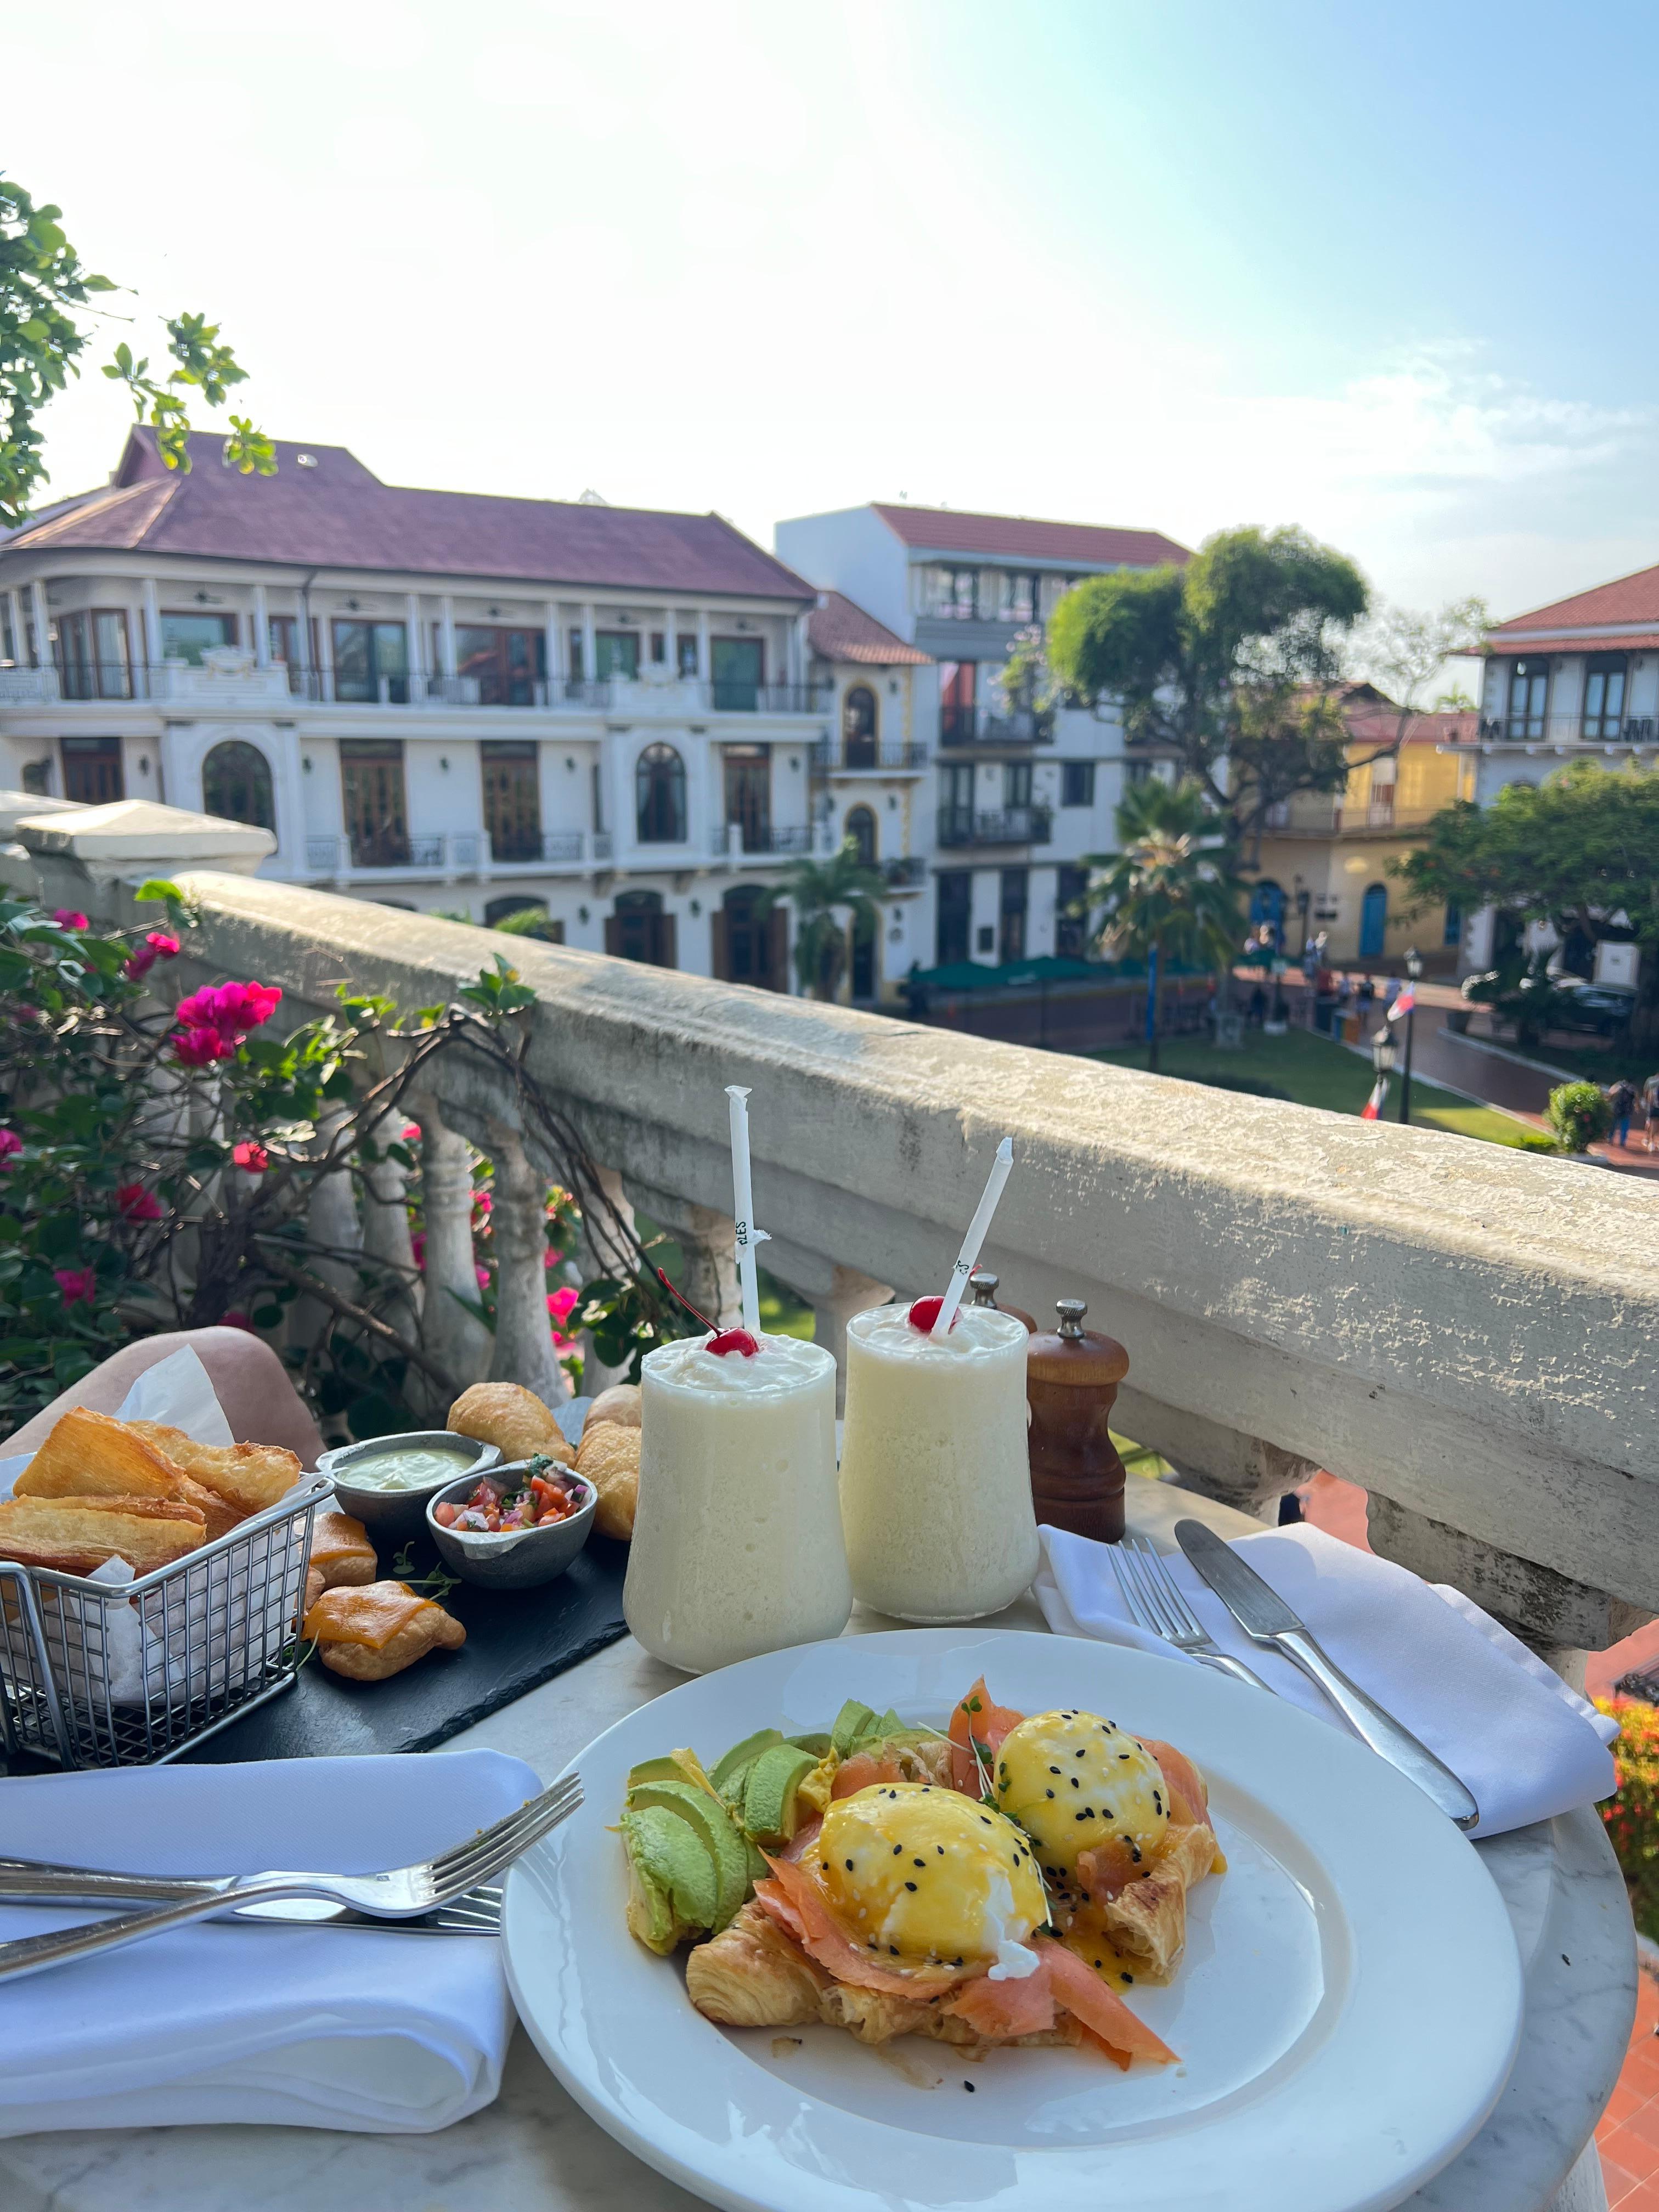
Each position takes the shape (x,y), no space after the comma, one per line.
(435,1584)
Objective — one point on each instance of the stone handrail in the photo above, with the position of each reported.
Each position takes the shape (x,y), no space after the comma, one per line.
(1468,1331)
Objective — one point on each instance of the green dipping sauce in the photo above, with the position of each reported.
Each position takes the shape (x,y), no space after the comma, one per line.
(416,1469)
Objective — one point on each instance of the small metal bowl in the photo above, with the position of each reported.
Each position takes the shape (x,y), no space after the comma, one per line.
(520,1559)
(394,1517)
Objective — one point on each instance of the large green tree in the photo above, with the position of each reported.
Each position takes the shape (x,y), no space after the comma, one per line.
(1171,891)
(1229,664)
(1580,851)
(47,296)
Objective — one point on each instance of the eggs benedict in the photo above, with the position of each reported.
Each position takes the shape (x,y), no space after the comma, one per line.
(1074,1782)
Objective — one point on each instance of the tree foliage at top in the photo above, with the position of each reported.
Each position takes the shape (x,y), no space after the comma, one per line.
(44,288)
(1580,851)
(1229,664)
(1173,887)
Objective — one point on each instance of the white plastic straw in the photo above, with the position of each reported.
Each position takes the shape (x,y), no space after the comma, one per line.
(973,1243)
(744,1208)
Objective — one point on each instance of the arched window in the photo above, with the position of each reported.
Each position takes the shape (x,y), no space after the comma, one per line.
(1373,921)
(862,829)
(858,727)
(660,796)
(236,785)
(640,930)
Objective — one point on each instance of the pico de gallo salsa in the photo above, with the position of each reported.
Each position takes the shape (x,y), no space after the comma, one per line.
(496,1508)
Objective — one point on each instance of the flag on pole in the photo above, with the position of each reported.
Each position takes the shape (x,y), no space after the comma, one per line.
(1372,1108)
(1404,1004)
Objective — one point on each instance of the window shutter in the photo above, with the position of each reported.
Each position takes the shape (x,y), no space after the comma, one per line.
(666,933)
(613,936)
(721,961)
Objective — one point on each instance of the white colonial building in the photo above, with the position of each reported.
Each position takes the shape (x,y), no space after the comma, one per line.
(1017,799)
(463,704)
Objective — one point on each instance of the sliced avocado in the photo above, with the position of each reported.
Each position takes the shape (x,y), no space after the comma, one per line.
(817,1745)
(852,1722)
(887,1726)
(650,1914)
(653,1770)
(709,1818)
(726,1775)
(688,1767)
(672,1856)
(768,1792)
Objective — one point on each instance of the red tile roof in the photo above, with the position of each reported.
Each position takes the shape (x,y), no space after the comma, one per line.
(839,630)
(340,515)
(1018,536)
(1627,599)
(1379,725)
(1515,646)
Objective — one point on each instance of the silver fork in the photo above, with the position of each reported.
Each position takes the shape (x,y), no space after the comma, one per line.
(1154,1601)
(477,1912)
(403,1893)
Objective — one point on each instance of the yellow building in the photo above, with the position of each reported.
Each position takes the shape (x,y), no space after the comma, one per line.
(1323,862)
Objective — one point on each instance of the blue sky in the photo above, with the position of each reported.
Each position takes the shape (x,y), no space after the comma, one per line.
(1377,271)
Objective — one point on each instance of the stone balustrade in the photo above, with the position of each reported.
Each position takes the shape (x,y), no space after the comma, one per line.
(1470,1332)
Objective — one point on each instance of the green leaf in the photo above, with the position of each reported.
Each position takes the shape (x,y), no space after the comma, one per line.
(157,890)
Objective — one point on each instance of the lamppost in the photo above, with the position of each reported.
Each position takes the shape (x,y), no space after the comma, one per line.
(1414,969)
(1384,1052)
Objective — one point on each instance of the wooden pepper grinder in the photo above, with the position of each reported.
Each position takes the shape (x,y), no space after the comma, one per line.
(983,1284)
(1071,1379)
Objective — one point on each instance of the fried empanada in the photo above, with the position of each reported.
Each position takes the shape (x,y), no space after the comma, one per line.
(368,1631)
(341,1551)
(250,1477)
(609,1458)
(510,1416)
(73,1535)
(620,1403)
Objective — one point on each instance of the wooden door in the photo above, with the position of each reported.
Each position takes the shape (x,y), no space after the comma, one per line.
(371,778)
(92,770)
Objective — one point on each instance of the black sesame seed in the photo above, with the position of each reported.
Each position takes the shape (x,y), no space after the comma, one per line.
(910,1885)
(850,1866)
(918,1862)
(968,2086)
(898,1850)
(1076,1784)
(1077,1754)
(892,1950)
(1048,1793)
(983,1822)
(1127,1977)
(1100,1962)
(1123,1754)
(940,1848)
(1079,1816)
(1053,1770)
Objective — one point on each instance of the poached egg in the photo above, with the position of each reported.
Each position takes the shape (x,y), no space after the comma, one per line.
(920,1876)
(1074,1782)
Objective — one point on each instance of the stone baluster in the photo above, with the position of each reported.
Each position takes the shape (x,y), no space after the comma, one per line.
(450,1335)
(596,1376)
(524,1333)
(834,1292)
(331,1223)
(708,1252)
(397,1293)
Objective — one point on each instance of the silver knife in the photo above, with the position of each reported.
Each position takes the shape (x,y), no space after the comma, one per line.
(1267,1620)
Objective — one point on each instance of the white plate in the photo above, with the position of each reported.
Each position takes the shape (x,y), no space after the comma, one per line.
(1347,2013)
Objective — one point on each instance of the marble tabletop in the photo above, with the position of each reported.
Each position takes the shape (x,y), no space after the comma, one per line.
(535,2149)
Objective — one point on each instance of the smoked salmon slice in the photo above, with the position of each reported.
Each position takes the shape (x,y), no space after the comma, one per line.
(822,1936)
(1001,2011)
(862,1772)
(1185,1781)
(1086,1997)
(977,1721)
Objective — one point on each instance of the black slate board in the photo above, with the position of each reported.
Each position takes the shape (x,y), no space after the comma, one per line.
(516,1639)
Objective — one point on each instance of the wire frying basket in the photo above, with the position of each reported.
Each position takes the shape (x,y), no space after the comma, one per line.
(101,1673)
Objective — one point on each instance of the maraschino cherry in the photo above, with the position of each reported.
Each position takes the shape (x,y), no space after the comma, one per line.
(925,1312)
(720,1341)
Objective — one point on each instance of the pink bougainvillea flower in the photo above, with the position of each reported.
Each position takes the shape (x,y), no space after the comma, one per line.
(75,1284)
(200,1047)
(11,1144)
(482,1204)
(233,1009)
(134,1203)
(482,1274)
(418,1247)
(562,1304)
(237,1320)
(411,1132)
(67,918)
(157,945)
(251,1155)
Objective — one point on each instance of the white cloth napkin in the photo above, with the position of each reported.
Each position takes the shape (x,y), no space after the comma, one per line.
(1523,1743)
(361,2029)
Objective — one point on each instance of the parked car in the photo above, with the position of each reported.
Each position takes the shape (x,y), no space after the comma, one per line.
(1601,1007)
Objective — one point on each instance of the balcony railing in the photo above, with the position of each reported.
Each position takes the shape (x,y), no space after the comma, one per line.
(463,852)
(906,873)
(971,724)
(1513,1453)
(779,839)
(539,847)
(853,757)
(237,675)
(1312,816)
(1013,825)
(1570,729)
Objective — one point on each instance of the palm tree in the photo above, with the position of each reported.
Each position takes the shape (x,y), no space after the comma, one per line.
(832,899)
(1171,891)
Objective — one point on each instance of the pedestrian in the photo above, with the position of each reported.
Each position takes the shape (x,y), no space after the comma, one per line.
(1621,1096)
(1365,994)
(1651,1109)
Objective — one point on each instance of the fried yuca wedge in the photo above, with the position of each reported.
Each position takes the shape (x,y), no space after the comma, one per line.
(247,1476)
(123,1473)
(73,1535)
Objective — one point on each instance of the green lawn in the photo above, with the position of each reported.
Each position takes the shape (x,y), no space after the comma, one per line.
(1314,1072)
